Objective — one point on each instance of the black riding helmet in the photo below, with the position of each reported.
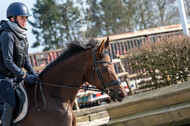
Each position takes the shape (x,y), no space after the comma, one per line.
(17,9)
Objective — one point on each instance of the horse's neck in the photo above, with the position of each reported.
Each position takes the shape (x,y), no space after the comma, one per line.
(67,73)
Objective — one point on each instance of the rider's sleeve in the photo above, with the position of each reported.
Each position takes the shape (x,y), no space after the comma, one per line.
(7,50)
(28,65)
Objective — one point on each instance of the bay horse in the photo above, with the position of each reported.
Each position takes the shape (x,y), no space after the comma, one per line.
(76,65)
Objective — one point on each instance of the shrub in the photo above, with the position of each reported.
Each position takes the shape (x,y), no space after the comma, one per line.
(164,62)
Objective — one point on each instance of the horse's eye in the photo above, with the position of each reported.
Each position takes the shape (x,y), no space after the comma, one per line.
(104,69)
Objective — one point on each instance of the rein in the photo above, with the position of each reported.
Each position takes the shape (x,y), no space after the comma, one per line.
(39,84)
(96,70)
(63,86)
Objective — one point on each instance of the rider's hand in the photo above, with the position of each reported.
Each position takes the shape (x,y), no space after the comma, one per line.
(30,78)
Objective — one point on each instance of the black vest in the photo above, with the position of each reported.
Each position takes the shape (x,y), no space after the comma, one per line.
(19,52)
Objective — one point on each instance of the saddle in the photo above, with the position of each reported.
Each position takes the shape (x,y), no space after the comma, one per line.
(21,104)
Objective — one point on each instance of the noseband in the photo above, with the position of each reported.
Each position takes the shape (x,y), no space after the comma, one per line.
(96,69)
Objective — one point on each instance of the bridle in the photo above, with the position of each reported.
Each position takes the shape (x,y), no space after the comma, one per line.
(96,69)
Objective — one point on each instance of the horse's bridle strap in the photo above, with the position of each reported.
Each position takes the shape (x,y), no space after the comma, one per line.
(95,68)
(117,82)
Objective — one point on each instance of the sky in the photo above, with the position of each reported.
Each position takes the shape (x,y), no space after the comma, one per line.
(29,3)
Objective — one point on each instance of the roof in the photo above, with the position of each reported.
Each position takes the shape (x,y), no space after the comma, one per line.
(158,30)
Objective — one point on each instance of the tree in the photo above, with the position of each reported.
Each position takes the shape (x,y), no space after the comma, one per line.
(130,15)
(167,11)
(59,21)
(46,16)
(93,19)
(106,17)
(113,15)
(187,9)
(55,23)
(69,20)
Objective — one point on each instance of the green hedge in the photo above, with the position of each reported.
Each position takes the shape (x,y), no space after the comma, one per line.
(164,62)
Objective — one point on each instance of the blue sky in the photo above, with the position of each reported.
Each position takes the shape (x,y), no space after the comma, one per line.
(29,3)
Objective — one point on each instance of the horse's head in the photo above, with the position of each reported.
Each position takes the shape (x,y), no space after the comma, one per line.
(104,75)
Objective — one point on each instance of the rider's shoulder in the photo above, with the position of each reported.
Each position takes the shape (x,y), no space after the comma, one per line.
(4,28)
(6,34)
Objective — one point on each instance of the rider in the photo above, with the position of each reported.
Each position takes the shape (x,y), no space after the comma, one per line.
(13,57)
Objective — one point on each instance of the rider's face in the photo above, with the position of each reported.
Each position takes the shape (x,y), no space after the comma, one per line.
(21,20)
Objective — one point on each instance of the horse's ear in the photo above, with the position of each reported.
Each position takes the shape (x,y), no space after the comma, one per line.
(107,42)
(101,47)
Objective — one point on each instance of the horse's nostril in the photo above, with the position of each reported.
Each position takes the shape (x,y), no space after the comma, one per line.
(121,95)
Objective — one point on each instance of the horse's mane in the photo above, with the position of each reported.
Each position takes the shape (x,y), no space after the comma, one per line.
(72,48)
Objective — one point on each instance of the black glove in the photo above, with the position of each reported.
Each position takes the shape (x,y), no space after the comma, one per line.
(30,78)
(18,80)
(35,74)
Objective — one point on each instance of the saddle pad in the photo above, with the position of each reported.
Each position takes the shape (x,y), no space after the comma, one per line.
(25,105)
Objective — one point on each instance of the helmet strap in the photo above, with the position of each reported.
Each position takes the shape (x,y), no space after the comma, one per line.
(15,21)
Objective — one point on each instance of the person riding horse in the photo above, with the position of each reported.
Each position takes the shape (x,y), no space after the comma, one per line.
(13,57)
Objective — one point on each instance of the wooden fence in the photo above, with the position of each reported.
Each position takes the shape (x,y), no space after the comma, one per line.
(40,60)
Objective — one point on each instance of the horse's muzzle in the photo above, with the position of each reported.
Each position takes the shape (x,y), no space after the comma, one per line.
(121,96)
(117,94)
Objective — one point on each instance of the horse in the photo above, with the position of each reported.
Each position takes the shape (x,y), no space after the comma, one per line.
(61,81)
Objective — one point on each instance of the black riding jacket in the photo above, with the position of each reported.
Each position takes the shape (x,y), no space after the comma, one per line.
(13,53)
